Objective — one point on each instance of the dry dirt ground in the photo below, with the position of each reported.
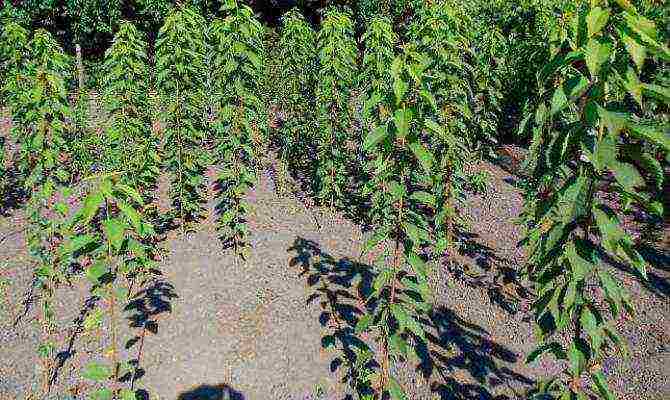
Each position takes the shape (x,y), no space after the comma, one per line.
(229,329)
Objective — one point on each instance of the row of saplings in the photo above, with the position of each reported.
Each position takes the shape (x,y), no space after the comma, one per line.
(412,149)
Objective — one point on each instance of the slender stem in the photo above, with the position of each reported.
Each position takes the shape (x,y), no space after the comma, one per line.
(397,257)
(180,178)
(112,309)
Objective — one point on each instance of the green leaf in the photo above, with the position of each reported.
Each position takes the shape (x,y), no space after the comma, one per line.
(609,228)
(612,290)
(398,345)
(643,27)
(127,394)
(96,372)
(395,390)
(605,154)
(577,354)
(374,137)
(635,258)
(588,320)
(102,394)
(554,347)
(658,91)
(397,190)
(601,385)
(46,350)
(407,321)
(363,323)
(132,214)
(401,119)
(424,198)
(615,122)
(596,20)
(627,176)
(573,203)
(91,204)
(636,50)
(413,232)
(370,103)
(558,100)
(81,241)
(132,193)
(114,231)
(424,156)
(417,264)
(399,89)
(381,280)
(633,86)
(596,55)
(580,266)
(430,99)
(652,133)
(375,239)
(96,271)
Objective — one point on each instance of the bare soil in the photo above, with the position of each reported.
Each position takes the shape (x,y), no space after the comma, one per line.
(230,329)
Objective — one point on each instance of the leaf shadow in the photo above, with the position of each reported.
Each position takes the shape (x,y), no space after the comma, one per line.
(456,344)
(145,309)
(500,279)
(340,287)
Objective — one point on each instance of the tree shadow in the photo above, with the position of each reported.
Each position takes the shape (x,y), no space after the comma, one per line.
(500,279)
(456,344)
(655,283)
(14,196)
(144,309)
(212,392)
(340,287)
(76,330)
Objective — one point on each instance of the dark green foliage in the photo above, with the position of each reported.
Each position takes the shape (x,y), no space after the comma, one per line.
(337,67)
(511,37)
(403,165)
(129,146)
(376,80)
(13,64)
(368,10)
(589,140)
(380,42)
(42,114)
(110,235)
(91,18)
(437,31)
(240,127)
(452,91)
(298,58)
(468,85)
(13,82)
(42,131)
(181,76)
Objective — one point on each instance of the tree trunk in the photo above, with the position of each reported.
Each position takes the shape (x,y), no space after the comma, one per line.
(80,67)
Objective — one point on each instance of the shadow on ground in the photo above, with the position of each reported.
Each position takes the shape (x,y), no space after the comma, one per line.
(456,344)
(211,392)
(340,287)
(145,309)
(500,278)
(453,344)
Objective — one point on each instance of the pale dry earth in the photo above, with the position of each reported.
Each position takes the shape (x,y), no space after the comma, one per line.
(244,329)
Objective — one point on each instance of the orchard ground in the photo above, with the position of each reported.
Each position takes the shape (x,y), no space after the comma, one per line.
(259,329)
